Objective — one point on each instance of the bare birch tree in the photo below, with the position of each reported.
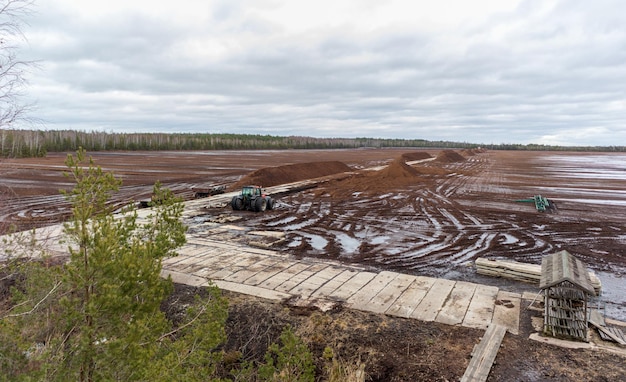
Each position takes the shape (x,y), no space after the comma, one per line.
(12,69)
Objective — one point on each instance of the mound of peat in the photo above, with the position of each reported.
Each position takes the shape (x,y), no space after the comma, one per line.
(449,156)
(272,176)
(396,170)
(396,175)
(416,155)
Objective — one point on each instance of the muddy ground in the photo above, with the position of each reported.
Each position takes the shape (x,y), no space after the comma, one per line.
(431,218)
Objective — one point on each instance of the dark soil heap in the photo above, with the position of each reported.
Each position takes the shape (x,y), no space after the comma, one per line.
(449,156)
(397,171)
(272,176)
(417,155)
(395,176)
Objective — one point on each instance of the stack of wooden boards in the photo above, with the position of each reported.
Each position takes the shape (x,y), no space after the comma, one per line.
(530,273)
(607,333)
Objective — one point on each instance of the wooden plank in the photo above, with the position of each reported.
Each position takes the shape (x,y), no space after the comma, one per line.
(454,308)
(480,311)
(336,282)
(268,272)
(287,273)
(183,278)
(352,286)
(313,283)
(484,354)
(617,334)
(596,318)
(409,299)
(431,304)
(250,271)
(296,280)
(614,334)
(239,263)
(507,310)
(360,300)
(251,290)
(385,298)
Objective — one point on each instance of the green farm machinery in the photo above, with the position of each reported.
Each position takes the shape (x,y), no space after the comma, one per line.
(541,203)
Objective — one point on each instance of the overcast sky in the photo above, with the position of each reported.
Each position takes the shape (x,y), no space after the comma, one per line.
(481,71)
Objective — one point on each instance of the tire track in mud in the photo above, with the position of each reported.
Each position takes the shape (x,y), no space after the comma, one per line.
(29,212)
(418,228)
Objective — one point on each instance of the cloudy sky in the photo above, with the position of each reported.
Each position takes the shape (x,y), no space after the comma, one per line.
(481,71)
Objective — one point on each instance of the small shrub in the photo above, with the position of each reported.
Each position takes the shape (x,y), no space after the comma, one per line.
(290,362)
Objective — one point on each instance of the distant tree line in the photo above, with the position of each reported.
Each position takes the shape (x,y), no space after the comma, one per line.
(37,143)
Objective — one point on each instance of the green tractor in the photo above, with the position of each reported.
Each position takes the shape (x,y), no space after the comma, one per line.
(252,198)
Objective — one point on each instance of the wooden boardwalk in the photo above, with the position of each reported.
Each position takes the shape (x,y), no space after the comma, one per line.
(276,275)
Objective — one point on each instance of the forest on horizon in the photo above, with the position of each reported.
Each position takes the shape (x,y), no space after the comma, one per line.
(37,143)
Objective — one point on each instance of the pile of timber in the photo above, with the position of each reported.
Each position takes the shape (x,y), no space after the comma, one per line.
(607,333)
(530,273)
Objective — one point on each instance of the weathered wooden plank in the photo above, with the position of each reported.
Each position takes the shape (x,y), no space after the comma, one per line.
(484,354)
(480,310)
(352,286)
(268,272)
(385,298)
(596,318)
(406,303)
(183,278)
(362,297)
(281,277)
(313,283)
(615,334)
(336,282)
(226,269)
(181,264)
(453,310)
(297,279)
(507,310)
(251,270)
(431,304)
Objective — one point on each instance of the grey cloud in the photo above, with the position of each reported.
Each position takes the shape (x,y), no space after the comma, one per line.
(527,76)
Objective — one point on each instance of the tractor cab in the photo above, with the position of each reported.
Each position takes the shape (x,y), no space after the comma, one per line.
(250,191)
(252,198)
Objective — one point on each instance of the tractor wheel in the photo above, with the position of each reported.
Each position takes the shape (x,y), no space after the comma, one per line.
(260,204)
(270,203)
(236,203)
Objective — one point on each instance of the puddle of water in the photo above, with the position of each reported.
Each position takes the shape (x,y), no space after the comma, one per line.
(316,241)
(348,243)
(508,239)
(588,166)
(297,226)
(286,220)
(379,240)
(295,243)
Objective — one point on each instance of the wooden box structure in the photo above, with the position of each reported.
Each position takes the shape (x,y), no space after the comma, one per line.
(566,286)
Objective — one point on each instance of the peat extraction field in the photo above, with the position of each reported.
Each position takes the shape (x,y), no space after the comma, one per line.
(422,212)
